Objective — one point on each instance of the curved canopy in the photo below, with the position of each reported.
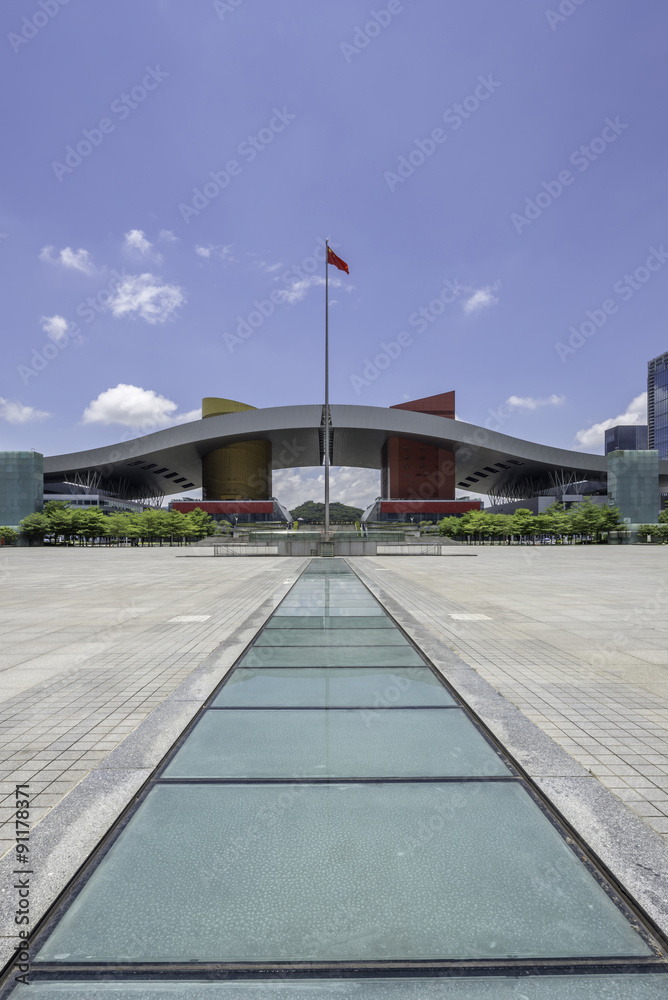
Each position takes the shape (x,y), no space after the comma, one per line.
(169,461)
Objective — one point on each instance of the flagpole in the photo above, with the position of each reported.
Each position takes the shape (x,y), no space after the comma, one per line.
(326,391)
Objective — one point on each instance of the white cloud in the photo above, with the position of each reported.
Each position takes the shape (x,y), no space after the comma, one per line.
(135,239)
(132,406)
(269,268)
(296,290)
(481,298)
(79,260)
(594,436)
(55,327)
(224,253)
(17,413)
(144,295)
(530,403)
(356,487)
(185,418)
(168,235)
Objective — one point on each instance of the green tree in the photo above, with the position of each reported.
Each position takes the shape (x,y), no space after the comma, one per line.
(522,522)
(611,519)
(59,514)
(200,524)
(8,535)
(449,526)
(587,519)
(152,523)
(559,519)
(178,524)
(663,516)
(88,523)
(35,527)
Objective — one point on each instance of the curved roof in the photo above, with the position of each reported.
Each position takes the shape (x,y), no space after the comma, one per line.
(169,461)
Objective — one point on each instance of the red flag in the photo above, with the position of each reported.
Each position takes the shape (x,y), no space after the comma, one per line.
(336,261)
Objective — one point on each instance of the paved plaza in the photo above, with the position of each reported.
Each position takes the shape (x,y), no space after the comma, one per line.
(88,650)
(575,637)
(107,654)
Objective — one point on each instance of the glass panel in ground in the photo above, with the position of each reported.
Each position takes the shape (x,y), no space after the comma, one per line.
(328,656)
(328,622)
(340,872)
(335,743)
(336,687)
(331,637)
(282,611)
(579,987)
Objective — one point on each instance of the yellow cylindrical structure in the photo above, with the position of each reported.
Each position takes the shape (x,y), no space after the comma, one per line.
(239,471)
(212,406)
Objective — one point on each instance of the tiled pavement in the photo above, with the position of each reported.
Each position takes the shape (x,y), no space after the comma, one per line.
(575,637)
(87,651)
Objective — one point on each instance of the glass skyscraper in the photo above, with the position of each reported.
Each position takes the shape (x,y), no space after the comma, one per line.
(626,437)
(657,404)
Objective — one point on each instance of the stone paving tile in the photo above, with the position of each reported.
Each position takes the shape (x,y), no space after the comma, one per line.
(561,646)
(55,730)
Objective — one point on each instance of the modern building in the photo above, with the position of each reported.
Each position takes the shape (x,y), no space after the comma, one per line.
(423,455)
(76,495)
(626,437)
(539,504)
(657,404)
(633,485)
(21,485)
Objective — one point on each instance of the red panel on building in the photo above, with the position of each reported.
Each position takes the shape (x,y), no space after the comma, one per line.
(413,469)
(410,468)
(225,506)
(441,405)
(426,507)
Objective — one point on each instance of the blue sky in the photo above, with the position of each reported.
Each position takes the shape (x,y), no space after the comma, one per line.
(171,169)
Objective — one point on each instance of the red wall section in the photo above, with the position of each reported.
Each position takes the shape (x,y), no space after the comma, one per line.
(416,470)
(225,506)
(419,506)
(412,469)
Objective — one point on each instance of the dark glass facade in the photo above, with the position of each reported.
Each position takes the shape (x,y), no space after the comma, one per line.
(657,404)
(21,485)
(626,437)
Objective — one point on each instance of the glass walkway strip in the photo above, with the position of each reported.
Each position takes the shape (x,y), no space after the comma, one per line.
(336,825)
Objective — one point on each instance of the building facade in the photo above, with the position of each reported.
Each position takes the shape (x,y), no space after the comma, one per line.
(633,485)
(626,437)
(237,471)
(657,404)
(416,470)
(21,485)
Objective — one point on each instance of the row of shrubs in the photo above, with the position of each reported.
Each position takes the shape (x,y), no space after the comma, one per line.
(586,521)
(58,522)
